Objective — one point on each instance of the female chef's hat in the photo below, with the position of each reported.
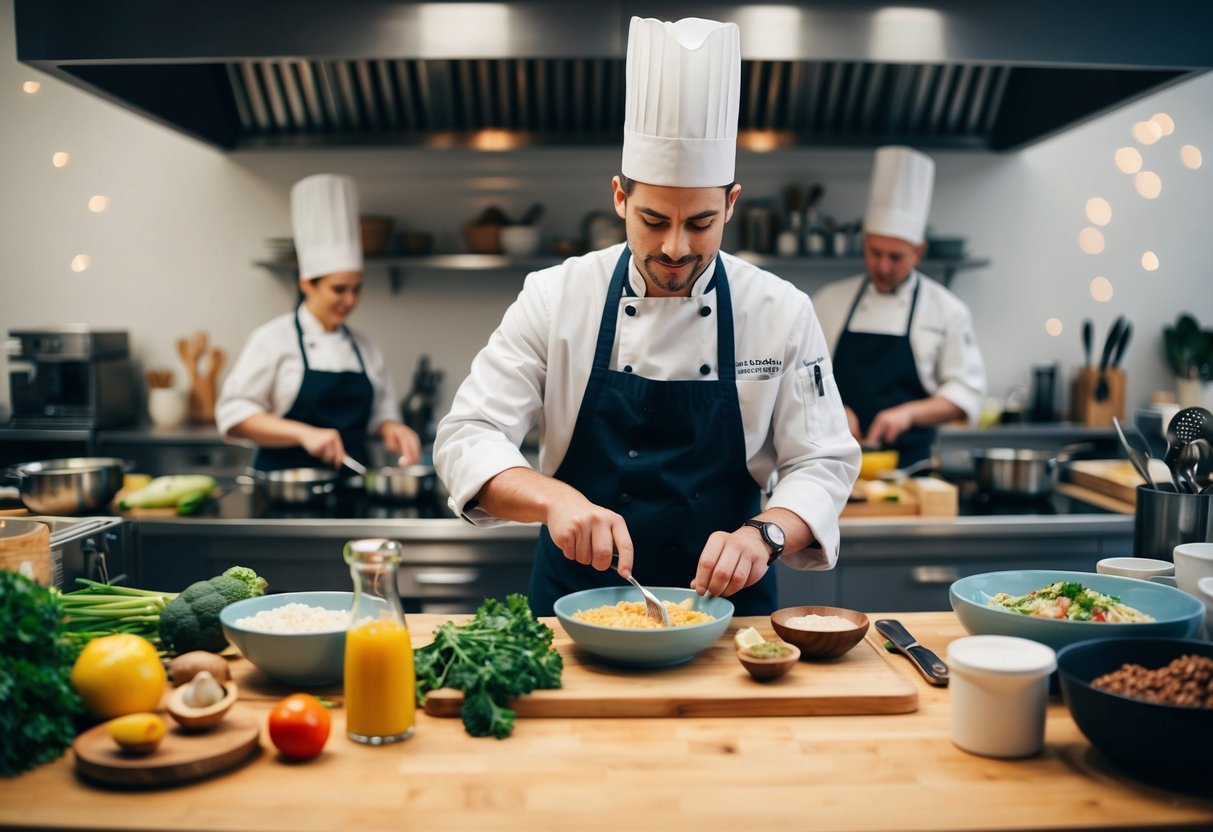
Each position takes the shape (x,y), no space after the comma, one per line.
(683,94)
(899,197)
(324,219)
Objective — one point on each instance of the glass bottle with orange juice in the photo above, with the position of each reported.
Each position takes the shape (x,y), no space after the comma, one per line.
(380,697)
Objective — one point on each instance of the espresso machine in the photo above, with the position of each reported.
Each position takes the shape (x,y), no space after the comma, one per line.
(70,376)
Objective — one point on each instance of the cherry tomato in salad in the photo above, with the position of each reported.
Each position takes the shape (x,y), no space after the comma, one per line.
(299,726)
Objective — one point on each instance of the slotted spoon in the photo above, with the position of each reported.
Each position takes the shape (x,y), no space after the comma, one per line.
(1186,426)
(653,608)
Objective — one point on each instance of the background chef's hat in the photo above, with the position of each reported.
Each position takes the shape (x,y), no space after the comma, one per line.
(324,219)
(683,94)
(899,197)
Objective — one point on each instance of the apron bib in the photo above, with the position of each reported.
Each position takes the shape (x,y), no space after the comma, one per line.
(669,456)
(341,400)
(875,371)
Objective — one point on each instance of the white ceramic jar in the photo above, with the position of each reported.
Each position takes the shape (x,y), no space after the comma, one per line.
(998,693)
(167,407)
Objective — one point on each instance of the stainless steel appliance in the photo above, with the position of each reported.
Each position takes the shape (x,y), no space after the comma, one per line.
(70,376)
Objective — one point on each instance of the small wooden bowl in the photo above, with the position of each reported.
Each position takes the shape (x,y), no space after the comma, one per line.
(200,719)
(766,669)
(820,644)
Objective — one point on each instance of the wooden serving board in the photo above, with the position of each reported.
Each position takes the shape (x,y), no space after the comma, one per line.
(1115,478)
(713,684)
(916,497)
(180,758)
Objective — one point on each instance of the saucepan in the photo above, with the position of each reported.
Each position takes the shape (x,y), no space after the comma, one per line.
(406,484)
(295,486)
(77,485)
(1020,472)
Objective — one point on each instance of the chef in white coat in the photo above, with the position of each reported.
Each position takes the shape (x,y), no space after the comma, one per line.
(670,380)
(905,355)
(306,389)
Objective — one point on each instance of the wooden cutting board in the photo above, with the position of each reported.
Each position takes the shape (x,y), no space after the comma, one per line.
(1115,478)
(180,758)
(916,497)
(712,684)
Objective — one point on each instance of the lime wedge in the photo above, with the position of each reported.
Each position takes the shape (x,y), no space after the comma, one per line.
(747,637)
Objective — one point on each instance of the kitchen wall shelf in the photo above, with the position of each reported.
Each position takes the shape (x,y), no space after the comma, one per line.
(397,267)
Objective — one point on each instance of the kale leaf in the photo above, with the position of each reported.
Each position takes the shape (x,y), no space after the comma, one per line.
(502,653)
(37,717)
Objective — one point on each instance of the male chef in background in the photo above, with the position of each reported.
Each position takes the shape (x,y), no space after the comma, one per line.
(905,356)
(669,379)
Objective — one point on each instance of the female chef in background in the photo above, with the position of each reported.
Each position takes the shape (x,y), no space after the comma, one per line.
(305,388)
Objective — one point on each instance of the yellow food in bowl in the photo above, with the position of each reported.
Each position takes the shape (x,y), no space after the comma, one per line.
(871,463)
(631,615)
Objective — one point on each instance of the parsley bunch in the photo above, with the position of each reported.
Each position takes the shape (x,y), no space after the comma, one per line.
(37,702)
(503,652)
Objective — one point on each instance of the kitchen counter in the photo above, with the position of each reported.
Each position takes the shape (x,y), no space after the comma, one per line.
(894,772)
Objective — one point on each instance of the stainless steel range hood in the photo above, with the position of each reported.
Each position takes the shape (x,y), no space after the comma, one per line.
(246,74)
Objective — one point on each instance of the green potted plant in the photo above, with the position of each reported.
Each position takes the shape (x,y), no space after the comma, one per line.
(1189,351)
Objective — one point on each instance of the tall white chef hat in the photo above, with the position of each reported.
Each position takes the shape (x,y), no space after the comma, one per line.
(324,219)
(683,94)
(899,197)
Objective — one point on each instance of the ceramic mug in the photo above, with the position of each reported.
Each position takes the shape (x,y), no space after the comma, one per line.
(1142,568)
(167,407)
(1204,589)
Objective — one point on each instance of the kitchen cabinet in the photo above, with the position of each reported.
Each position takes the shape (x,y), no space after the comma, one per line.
(397,268)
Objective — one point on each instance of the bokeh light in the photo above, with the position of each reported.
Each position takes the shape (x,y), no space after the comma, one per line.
(1149,261)
(1166,124)
(60,158)
(1146,132)
(1128,160)
(1101,289)
(1189,154)
(81,262)
(1148,184)
(98,203)
(31,87)
(1099,211)
(1053,326)
(1090,240)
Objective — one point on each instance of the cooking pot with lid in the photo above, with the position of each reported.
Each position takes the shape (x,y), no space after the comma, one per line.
(77,485)
(1020,472)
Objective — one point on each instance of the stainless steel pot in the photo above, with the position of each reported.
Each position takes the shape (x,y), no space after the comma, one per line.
(77,485)
(296,486)
(401,484)
(1020,472)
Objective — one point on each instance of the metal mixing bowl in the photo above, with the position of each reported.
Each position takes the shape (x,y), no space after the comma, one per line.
(78,485)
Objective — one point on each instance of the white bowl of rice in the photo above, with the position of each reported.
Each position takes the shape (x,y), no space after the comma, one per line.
(294,638)
(594,620)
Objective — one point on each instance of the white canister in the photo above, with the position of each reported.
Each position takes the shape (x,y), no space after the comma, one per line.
(998,692)
(167,407)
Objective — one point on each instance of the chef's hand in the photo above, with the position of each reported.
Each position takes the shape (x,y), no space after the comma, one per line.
(324,444)
(589,533)
(731,561)
(400,439)
(888,425)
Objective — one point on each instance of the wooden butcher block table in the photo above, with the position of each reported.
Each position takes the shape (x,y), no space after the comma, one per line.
(701,773)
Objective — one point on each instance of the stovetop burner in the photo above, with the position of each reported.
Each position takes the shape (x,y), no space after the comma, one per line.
(974,503)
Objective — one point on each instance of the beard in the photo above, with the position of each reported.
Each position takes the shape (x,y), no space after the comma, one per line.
(670,283)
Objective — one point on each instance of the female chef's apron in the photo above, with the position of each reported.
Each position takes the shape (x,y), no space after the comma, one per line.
(341,400)
(875,371)
(669,456)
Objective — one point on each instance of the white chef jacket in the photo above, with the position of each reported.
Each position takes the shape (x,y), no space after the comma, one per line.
(269,370)
(536,364)
(945,348)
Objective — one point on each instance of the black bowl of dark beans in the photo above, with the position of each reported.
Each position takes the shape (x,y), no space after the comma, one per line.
(1145,703)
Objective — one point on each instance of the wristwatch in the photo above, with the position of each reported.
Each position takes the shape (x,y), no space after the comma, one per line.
(772,535)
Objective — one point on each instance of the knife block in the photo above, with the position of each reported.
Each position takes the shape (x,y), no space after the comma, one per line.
(1088,410)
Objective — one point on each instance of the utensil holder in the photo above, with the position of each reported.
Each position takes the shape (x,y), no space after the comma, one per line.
(1087,410)
(1164,519)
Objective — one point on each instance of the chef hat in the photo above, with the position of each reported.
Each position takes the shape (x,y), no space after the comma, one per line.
(683,94)
(899,197)
(324,219)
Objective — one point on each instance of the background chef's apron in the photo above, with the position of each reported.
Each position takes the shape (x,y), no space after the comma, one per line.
(669,456)
(341,400)
(875,371)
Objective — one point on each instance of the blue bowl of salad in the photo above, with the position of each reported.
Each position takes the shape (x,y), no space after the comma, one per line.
(1060,608)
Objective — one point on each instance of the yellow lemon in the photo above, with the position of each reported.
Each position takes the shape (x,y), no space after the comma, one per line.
(117,675)
(138,733)
(747,637)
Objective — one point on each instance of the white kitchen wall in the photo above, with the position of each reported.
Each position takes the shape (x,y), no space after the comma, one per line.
(175,251)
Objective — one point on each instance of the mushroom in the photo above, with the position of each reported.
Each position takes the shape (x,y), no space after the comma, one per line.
(202,703)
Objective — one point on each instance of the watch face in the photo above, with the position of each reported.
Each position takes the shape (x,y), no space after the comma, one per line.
(775,534)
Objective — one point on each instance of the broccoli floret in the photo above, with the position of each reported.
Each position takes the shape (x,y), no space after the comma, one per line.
(256,583)
(191,620)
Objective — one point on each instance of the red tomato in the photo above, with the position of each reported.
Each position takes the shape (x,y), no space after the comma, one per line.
(299,726)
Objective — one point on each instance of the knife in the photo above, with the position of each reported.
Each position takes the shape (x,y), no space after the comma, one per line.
(929,665)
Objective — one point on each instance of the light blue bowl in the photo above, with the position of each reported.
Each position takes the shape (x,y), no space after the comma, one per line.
(296,659)
(1176,614)
(660,647)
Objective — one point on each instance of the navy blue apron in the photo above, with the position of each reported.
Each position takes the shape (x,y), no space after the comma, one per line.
(875,372)
(341,400)
(669,456)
